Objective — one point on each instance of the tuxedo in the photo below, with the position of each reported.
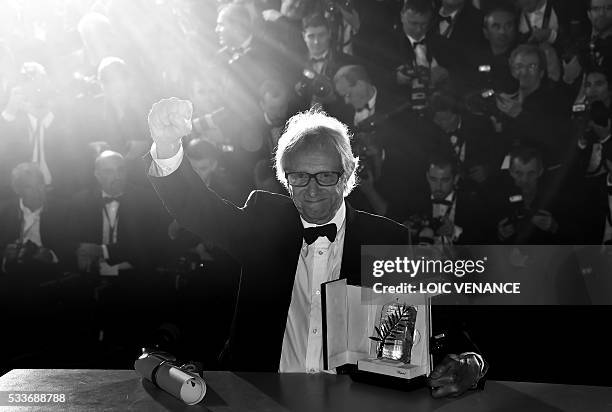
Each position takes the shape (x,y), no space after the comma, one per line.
(138,231)
(465,29)
(265,236)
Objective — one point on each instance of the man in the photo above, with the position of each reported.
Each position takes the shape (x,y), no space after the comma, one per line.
(531,209)
(33,128)
(314,82)
(33,225)
(488,66)
(472,139)
(542,21)
(460,23)
(113,222)
(287,246)
(447,214)
(537,114)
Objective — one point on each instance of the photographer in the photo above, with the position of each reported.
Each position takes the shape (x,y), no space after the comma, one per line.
(594,164)
(32,226)
(315,85)
(530,209)
(538,113)
(447,213)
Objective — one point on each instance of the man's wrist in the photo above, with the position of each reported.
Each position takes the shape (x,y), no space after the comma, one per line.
(167,150)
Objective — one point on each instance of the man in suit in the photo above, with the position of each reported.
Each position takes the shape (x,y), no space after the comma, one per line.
(33,128)
(32,225)
(447,213)
(113,222)
(460,23)
(287,246)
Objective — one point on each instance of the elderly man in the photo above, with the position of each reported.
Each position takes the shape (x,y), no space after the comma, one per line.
(287,246)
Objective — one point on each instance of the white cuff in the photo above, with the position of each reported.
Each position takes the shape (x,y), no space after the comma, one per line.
(164,167)
(105,253)
(553,36)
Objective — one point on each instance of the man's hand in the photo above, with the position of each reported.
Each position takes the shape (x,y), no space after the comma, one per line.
(454,375)
(571,70)
(544,220)
(508,105)
(169,120)
(505,229)
(401,78)
(446,228)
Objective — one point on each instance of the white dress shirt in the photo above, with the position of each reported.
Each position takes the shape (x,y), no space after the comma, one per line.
(367,111)
(30,229)
(302,349)
(109,235)
(535,20)
(445,28)
(319,262)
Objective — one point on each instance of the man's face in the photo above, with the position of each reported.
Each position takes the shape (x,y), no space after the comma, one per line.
(500,29)
(30,188)
(600,14)
(446,120)
(596,88)
(525,175)
(526,69)
(276,107)
(355,95)
(111,175)
(316,204)
(415,24)
(293,9)
(530,5)
(37,91)
(317,40)
(441,181)
(452,4)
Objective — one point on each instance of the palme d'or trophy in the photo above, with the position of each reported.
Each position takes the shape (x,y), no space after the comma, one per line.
(395,332)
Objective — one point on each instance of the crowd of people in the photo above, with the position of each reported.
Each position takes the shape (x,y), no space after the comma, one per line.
(476,122)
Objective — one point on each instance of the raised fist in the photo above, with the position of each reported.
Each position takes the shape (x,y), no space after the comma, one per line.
(170,120)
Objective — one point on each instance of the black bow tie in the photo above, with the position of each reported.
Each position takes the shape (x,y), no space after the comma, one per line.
(447,19)
(418,43)
(442,202)
(311,234)
(366,107)
(109,199)
(314,60)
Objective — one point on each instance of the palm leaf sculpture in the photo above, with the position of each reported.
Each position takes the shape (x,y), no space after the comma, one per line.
(392,329)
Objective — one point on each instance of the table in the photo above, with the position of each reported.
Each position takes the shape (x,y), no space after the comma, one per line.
(124,390)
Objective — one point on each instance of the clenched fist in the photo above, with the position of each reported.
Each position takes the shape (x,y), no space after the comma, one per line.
(170,120)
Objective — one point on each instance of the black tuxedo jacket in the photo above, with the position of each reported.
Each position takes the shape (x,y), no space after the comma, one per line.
(53,226)
(467,27)
(265,236)
(140,227)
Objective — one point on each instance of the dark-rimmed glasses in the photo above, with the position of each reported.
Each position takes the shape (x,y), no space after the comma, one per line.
(301,179)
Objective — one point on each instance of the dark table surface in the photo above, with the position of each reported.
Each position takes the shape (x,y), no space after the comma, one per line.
(124,390)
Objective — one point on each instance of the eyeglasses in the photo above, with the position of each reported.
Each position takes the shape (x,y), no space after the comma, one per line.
(531,68)
(301,179)
(601,9)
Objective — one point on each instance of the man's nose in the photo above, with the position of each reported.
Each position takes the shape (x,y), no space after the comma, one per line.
(313,187)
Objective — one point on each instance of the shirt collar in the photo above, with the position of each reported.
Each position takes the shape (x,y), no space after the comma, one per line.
(338,219)
(26,211)
(46,121)
(413,40)
(372,101)
(452,15)
(323,56)
(245,45)
(450,197)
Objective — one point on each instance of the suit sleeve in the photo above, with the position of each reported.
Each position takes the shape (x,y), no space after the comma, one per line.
(203,212)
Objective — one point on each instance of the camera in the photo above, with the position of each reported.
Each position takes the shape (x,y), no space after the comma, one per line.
(420,87)
(519,211)
(315,85)
(361,144)
(332,6)
(583,113)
